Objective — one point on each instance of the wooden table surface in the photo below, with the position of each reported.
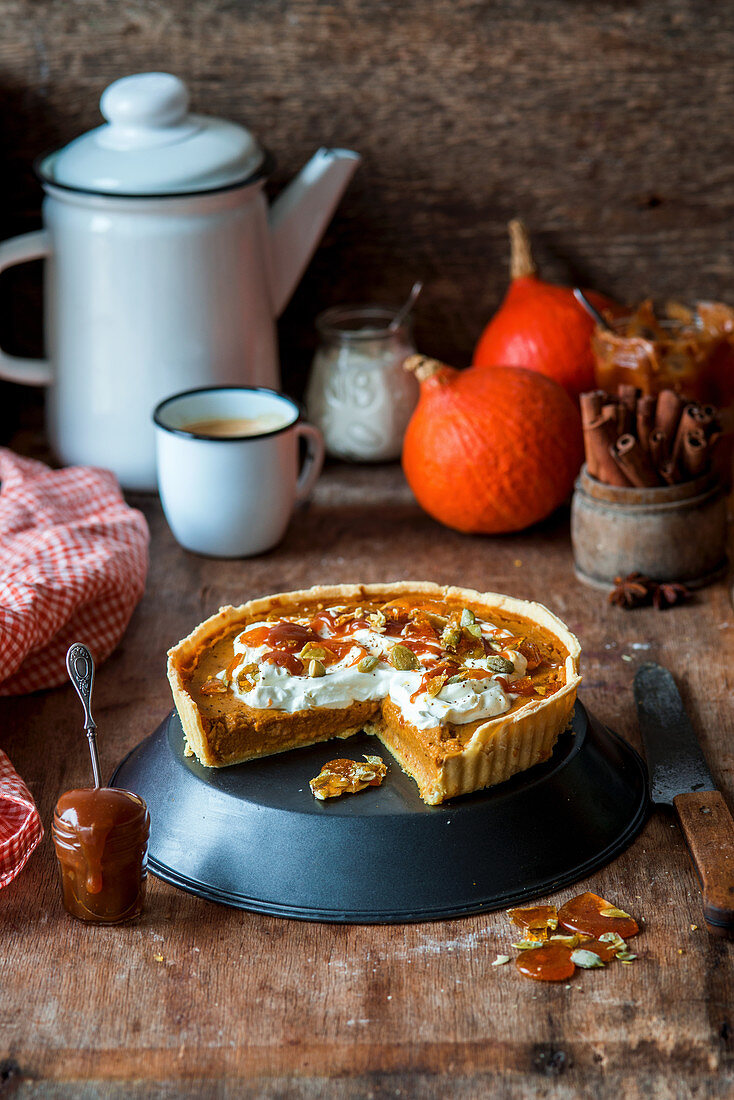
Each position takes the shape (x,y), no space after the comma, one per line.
(196,1000)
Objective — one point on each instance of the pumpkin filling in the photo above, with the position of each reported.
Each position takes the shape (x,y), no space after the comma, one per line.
(423,674)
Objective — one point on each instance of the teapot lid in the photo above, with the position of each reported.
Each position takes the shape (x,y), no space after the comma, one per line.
(151,145)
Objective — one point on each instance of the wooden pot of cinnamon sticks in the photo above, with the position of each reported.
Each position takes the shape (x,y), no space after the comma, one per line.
(648,499)
(634,439)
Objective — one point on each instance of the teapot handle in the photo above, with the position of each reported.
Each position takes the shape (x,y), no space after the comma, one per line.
(18,250)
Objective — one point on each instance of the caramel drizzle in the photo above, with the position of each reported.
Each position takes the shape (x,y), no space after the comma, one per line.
(412,625)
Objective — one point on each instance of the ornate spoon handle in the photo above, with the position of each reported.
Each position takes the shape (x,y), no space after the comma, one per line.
(80,665)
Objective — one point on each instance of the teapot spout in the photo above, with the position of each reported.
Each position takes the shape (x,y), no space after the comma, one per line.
(300,215)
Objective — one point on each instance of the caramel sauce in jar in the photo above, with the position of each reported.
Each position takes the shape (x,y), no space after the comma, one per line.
(101,840)
(654,353)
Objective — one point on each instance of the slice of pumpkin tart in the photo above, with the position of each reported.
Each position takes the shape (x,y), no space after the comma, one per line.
(464,688)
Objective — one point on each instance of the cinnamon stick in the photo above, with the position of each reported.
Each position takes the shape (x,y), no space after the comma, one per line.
(669,472)
(693,418)
(641,440)
(695,454)
(668,413)
(634,462)
(645,418)
(659,446)
(706,419)
(707,415)
(628,394)
(591,405)
(599,437)
(625,419)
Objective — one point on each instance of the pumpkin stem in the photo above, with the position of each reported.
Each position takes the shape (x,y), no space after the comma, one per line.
(423,367)
(521,256)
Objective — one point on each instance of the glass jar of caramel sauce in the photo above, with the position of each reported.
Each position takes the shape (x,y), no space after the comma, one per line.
(689,350)
(101,840)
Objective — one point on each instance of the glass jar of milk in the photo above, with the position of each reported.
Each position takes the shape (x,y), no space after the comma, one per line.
(358,393)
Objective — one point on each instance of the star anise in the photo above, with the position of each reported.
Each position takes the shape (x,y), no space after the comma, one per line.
(634,590)
(668,594)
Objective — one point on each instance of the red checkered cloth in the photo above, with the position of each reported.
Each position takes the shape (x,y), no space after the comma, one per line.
(20,823)
(73,561)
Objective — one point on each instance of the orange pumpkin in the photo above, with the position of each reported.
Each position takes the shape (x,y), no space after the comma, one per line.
(540,325)
(489,452)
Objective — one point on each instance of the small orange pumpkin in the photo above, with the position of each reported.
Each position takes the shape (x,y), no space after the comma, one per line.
(540,325)
(488,452)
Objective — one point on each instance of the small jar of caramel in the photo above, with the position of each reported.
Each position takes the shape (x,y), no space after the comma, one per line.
(101,840)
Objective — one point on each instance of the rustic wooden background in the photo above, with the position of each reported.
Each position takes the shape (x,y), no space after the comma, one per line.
(607,126)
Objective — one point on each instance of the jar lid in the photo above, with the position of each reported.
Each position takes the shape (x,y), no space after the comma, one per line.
(151,145)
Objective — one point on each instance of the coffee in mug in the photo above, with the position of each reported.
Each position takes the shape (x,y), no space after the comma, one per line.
(233,426)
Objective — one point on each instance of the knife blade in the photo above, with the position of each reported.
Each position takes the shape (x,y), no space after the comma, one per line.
(675,762)
(679,777)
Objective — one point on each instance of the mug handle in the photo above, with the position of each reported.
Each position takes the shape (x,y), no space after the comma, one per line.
(18,250)
(313,462)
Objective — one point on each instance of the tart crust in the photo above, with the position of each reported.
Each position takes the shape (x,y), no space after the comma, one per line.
(490,750)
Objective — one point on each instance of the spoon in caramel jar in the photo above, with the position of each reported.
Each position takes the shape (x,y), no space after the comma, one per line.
(592,311)
(100,833)
(80,666)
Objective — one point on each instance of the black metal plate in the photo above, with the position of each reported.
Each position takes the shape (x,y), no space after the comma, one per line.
(252,836)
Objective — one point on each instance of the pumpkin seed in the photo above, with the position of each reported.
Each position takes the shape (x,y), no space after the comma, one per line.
(458,679)
(438,622)
(403,658)
(612,911)
(567,941)
(468,618)
(451,637)
(315,668)
(377,622)
(474,629)
(587,960)
(614,940)
(500,664)
(368,663)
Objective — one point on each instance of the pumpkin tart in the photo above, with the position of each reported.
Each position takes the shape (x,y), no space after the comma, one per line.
(463,688)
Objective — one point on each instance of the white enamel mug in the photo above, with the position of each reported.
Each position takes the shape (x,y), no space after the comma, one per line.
(232,496)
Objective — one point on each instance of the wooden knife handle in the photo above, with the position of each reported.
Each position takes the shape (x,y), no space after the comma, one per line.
(709,831)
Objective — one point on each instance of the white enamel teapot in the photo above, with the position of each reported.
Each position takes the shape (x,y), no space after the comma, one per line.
(165,269)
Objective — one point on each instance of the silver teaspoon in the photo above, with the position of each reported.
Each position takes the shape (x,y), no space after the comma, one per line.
(80,665)
(405,309)
(592,311)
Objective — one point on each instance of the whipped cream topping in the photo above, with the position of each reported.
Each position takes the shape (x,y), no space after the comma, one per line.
(343,683)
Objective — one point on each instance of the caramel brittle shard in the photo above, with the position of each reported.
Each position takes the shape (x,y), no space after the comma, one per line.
(537,921)
(339,777)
